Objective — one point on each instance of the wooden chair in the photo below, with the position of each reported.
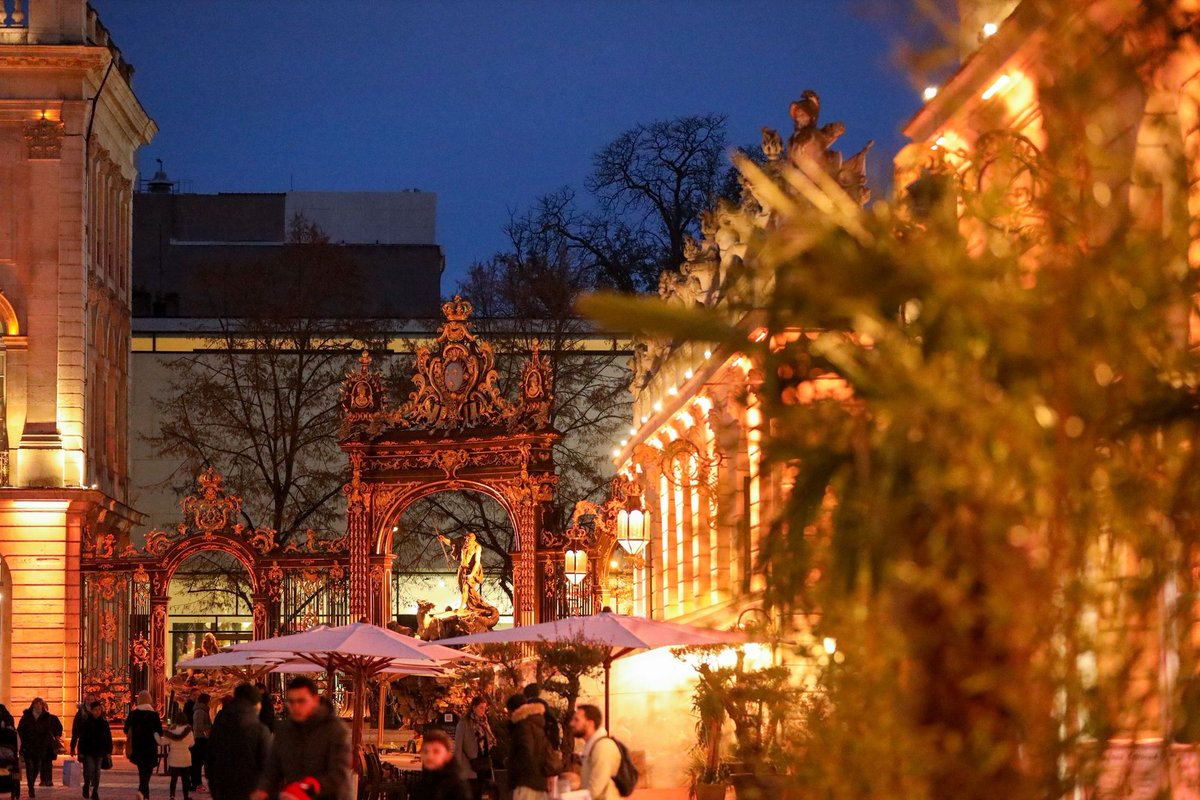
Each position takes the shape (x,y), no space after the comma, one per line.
(376,785)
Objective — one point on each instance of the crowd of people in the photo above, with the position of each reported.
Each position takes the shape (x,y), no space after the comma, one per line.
(243,753)
(463,768)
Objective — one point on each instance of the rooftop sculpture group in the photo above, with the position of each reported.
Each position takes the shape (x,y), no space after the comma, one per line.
(704,276)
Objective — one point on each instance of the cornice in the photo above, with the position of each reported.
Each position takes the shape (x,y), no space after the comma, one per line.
(81,58)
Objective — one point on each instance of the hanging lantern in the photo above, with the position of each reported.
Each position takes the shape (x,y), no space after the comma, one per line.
(632,529)
(576,566)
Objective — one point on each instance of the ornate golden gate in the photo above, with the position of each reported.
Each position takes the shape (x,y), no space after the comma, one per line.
(456,431)
(126,590)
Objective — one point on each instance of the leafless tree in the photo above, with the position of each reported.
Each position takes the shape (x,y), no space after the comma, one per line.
(660,175)
(260,401)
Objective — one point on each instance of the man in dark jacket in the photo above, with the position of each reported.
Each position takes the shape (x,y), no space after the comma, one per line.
(91,737)
(56,732)
(238,746)
(531,761)
(311,743)
(440,777)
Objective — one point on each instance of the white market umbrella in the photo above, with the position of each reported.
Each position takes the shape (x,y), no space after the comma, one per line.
(248,666)
(360,650)
(621,634)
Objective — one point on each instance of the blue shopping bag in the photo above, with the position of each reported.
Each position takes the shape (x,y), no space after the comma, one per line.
(72,773)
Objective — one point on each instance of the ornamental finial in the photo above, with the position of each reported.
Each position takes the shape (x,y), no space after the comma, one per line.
(458,309)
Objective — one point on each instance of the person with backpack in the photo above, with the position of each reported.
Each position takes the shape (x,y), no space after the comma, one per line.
(91,738)
(606,769)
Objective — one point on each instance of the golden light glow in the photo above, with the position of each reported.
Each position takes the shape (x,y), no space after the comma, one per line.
(929,93)
(39,505)
(989,29)
(998,86)
(8,317)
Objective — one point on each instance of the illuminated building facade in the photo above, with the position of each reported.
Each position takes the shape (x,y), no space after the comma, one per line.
(69,128)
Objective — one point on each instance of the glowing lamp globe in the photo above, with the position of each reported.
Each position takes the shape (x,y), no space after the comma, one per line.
(631,530)
(576,566)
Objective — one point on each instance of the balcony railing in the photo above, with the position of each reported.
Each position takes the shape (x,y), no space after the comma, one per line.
(12,14)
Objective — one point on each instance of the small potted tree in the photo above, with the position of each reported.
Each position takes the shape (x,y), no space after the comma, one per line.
(709,775)
(755,700)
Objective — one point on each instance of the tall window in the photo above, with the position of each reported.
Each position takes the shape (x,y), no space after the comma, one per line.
(4,472)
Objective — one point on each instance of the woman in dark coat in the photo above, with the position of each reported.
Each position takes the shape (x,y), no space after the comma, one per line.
(144,727)
(531,760)
(94,744)
(36,730)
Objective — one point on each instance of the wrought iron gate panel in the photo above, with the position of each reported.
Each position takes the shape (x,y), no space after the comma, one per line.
(107,639)
(313,596)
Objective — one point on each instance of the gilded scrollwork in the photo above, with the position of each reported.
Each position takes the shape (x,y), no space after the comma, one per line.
(1004,176)
(210,510)
(158,542)
(262,540)
(448,461)
(456,382)
(362,393)
(110,686)
(139,651)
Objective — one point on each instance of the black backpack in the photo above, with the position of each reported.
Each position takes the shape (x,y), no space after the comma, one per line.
(627,776)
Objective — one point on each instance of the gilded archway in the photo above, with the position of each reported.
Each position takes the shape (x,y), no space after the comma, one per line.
(455,431)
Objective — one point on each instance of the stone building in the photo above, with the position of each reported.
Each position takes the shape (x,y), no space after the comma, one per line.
(182,241)
(70,126)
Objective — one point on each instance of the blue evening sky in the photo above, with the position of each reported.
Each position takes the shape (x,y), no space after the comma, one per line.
(487,103)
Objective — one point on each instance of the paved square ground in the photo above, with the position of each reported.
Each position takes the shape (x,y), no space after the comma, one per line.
(118,783)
